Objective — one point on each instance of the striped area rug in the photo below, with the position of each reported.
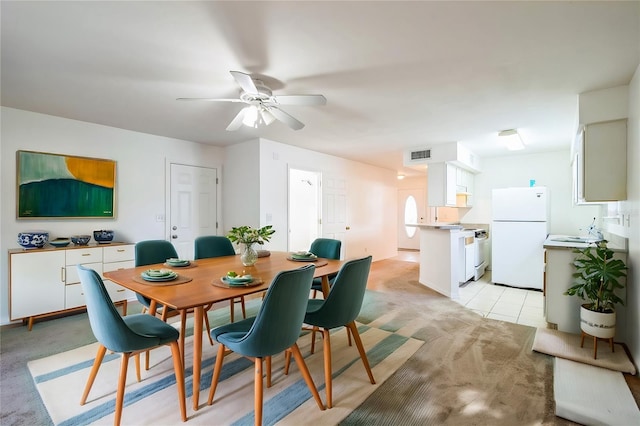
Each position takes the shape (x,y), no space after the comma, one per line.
(60,380)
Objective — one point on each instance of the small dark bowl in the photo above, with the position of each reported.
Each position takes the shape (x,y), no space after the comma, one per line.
(60,242)
(103,236)
(80,240)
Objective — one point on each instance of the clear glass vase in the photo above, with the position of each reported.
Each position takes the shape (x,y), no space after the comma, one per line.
(249,255)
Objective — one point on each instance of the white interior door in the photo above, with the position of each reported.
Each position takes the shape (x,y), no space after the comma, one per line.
(304,208)
(193,206)
(334,210)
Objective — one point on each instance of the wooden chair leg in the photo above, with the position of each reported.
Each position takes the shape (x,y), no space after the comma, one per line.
(136,357)
(94,372)
(208,327)
(349,336)
(268,362)
(302,366)
(122,380)
(313,338)
(257,391)
(287,361)
(216,373)
(363,353)
(179,372)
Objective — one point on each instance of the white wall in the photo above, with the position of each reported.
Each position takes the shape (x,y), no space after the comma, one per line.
(140,173)
(371,205)
(550,169)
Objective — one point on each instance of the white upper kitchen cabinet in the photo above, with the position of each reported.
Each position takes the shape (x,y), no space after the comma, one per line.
(600,162)
(449,185)
(441,184)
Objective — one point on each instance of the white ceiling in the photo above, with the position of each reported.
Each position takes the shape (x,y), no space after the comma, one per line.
(396,75)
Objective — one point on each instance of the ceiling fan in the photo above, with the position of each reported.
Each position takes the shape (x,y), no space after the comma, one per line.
(262,106)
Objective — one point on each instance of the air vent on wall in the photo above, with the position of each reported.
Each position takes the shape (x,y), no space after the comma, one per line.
(421,155)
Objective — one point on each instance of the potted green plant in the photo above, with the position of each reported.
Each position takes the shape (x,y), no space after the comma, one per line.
(249,236)
(597,278)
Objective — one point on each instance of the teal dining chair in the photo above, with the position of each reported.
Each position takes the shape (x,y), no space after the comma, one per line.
(129,336)
(327,248)
(216,246)
(150,252)
(339,309)
(274,329)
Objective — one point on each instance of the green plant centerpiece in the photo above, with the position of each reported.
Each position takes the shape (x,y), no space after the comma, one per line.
(249,236)
(597,278)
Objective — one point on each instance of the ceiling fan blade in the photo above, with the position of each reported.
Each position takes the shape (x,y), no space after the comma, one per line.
(300,100)
(244,81)
(286,118)
(237,121)
(209,99)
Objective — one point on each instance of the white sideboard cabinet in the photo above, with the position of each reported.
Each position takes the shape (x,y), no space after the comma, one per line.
(45,282)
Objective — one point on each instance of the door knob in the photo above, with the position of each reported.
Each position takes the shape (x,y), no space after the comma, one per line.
(174,236)
(174,227)
(347,228)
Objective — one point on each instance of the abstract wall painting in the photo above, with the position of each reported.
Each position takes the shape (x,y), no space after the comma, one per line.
(56,186)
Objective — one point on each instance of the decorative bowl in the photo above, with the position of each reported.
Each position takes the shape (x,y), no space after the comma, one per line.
(80,240)
(103,236)
(60,242)
(33,239)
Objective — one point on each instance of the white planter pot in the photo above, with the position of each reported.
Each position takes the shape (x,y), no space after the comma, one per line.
(598,324)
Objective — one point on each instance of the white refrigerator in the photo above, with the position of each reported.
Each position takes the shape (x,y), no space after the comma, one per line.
(520,225)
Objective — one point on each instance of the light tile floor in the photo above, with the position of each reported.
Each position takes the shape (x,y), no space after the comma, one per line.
(498,302)
(503,303)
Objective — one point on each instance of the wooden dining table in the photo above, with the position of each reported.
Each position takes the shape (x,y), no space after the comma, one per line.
(200,285)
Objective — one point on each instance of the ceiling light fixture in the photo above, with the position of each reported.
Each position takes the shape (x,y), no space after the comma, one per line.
(511,139)
(250,118)
(400,176)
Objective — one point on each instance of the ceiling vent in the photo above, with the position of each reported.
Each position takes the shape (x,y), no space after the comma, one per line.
(421,155)
(451,152)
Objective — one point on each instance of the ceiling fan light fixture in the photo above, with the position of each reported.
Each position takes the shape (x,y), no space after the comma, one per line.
(250,116)
(267,117)
(512,140)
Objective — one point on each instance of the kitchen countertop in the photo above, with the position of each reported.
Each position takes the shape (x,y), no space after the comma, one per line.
(444,226)
(550,243)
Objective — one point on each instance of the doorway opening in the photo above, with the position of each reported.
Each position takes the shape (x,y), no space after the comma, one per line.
(305,207)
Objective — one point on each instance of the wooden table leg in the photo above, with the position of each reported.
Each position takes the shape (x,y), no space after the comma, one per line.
(325,286)
(198,317)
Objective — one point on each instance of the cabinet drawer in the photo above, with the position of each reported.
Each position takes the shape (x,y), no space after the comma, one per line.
(74,296)
(114,266)
(118,253)
(72,276)
(82,256)
(117,292)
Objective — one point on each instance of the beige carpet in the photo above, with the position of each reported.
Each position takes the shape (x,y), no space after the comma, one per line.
(567,346)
